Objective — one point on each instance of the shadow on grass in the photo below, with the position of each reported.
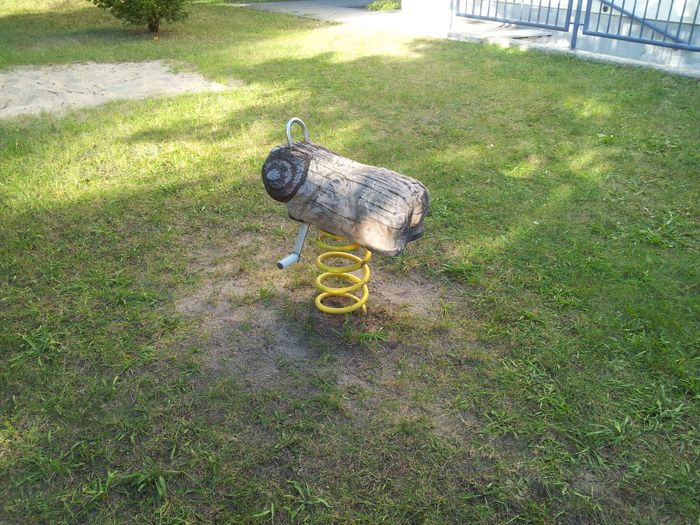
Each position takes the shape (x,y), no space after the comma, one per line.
(550,206)
(81,34)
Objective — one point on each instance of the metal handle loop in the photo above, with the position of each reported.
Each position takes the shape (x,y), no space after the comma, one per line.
(290,123)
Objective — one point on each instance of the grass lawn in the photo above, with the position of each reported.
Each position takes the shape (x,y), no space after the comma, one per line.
(548,373)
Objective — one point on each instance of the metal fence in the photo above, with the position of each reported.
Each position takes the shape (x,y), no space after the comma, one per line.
(669,23)
(547,14)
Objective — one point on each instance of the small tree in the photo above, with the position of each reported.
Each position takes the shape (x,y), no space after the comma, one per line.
(149,12)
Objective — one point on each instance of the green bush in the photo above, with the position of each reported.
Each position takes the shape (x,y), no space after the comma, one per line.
(384,5)
(148,12)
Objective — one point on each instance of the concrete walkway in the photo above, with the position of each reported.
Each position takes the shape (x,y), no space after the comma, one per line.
(354,13)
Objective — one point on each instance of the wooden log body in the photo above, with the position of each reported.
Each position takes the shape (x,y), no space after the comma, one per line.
(374,207)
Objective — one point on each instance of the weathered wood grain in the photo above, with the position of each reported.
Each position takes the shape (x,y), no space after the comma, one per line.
(375,207)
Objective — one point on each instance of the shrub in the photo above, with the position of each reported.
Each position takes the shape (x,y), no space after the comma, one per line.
(384,5)
(148,12)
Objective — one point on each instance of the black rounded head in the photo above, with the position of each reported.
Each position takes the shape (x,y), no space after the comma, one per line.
(284,172)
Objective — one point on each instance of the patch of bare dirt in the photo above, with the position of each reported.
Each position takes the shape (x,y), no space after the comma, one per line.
(385,382)
(412,292)
(241,332)
(256,344)
(55,89)
(587,483)
(254,337)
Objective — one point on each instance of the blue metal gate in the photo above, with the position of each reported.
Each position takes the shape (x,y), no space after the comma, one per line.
(669,23)
(548,14)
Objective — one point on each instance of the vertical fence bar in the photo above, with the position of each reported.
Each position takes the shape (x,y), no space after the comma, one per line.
(577,19)
(528,6)
(607,29)
(692,27)
(680,20)
(556,20)
(619,21)
(656,17)
(668,19)
(600,15)
(644,16)
(634,10)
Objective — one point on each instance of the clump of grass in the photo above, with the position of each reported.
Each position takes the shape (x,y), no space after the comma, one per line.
(384,5)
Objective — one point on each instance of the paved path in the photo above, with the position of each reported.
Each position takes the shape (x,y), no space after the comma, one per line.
(354,13)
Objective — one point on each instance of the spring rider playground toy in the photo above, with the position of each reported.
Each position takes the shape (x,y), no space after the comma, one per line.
(355,207)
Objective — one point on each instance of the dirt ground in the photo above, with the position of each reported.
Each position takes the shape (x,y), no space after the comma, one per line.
(55,89)
(258,324)
(229,301)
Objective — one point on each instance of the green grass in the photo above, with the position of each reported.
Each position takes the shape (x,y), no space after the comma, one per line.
(384,5)
(557,383)
(257,1)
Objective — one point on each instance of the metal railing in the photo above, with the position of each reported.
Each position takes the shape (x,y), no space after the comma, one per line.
(669,23)
(547,14)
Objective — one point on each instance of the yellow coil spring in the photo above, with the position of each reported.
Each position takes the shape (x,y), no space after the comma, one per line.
(340,251)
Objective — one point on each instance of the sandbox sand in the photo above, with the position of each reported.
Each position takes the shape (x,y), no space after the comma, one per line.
(32,90)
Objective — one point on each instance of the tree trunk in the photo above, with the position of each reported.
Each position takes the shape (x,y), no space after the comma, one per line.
(154,26)
(375,207)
